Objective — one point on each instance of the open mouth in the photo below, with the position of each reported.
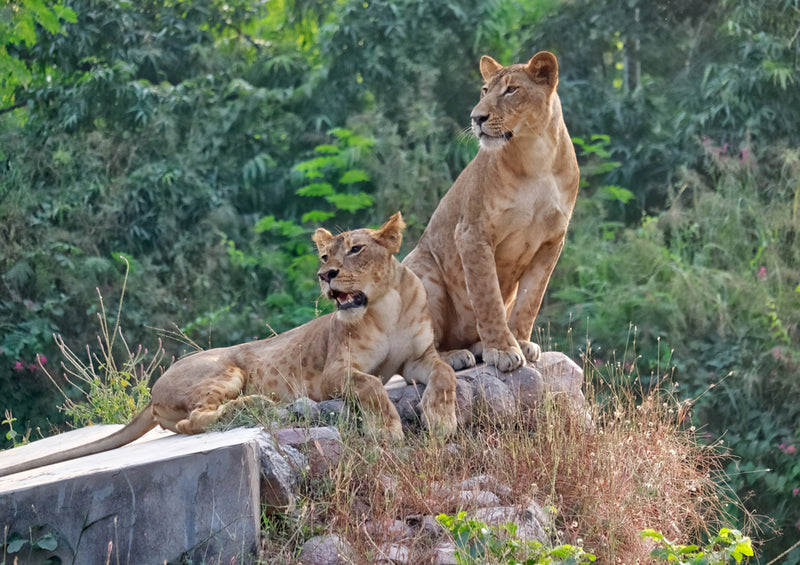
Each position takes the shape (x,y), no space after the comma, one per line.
(347,300)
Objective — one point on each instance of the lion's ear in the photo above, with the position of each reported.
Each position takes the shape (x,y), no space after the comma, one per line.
(489,66)
(321,238)
(390,234)
(543,69)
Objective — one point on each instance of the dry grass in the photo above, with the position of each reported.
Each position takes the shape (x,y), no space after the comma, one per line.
(637,466)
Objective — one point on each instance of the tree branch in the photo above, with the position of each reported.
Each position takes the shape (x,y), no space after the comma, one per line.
(12,108)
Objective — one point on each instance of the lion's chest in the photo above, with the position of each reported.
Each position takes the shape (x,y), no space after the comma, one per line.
(393,334)
(521,223)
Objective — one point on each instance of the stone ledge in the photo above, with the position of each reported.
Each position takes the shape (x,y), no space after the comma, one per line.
(161,499)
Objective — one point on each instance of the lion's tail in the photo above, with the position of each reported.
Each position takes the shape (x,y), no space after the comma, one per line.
(140,425)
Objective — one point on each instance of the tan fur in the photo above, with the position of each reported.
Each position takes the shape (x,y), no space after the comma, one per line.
(351,353)
(490,247)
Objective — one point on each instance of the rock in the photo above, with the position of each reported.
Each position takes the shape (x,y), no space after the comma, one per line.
(561,376)
(426,525)
(333,412)
(493,399)
(406,399)
(476,499)
(527,385)
(164,498)
(322,447)
(394,553)
(304,409)
(281,470)
(326,550)
(445,554)
(463,498)
(486,482)
(465,402)
(393,530)
(531,521)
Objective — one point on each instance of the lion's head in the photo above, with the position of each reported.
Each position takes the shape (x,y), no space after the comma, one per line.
(356,266)
(516,101)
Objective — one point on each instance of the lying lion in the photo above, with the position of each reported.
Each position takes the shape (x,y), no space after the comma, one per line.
(489,249)
(381,327)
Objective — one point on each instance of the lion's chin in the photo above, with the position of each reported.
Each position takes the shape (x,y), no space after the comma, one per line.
(494,143)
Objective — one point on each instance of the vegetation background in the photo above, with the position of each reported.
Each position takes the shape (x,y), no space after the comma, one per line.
(201,142)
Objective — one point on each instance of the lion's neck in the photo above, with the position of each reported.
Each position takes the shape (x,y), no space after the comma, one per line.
(532,154)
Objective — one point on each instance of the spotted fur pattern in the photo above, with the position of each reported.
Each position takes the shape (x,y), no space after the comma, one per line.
(382,327)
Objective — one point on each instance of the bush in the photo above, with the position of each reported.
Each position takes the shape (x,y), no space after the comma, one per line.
(709,286)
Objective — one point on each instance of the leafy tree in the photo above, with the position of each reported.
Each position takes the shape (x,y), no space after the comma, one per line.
(17,37)
(658,77)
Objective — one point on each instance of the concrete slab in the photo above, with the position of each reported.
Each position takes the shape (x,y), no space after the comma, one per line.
(166,498)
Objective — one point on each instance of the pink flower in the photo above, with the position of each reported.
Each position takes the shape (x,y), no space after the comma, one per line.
(762,274)
(42,359)
(795,491)
(790,449)
(18,366)
(32,367)
(744,156)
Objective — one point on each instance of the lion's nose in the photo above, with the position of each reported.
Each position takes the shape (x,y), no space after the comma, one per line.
(479,119)
(328,275)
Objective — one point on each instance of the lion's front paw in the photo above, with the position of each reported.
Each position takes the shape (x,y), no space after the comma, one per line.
(530,350)
(388,429)
(458,358)
(394,432)
(439,413)
(504,359)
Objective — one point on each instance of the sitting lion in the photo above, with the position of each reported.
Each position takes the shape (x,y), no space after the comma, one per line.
(487,253)
(381,327)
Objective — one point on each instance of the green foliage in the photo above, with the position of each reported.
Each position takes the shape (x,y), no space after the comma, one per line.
(34,547)
(12,435)
(203,141)
(280,256)
(18,25)
(658,76)
(478,543)
(114,383)
(710,288)
(718,551)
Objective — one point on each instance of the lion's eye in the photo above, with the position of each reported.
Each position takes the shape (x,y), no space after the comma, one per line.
(323,258)
(510,90)
(484,90)
(355,249)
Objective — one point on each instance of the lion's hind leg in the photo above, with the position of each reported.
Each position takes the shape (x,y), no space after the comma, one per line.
(211,396)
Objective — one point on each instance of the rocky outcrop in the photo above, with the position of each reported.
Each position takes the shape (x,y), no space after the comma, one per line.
(170,498)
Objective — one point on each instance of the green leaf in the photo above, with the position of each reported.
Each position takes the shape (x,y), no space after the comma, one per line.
(652,534)
(65,13)
(316,189)
(350,202)
(316,216)
(47,542)
(341,133)
(327,149)
(353,176)
(265,224)
(616,193)
(15,543)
